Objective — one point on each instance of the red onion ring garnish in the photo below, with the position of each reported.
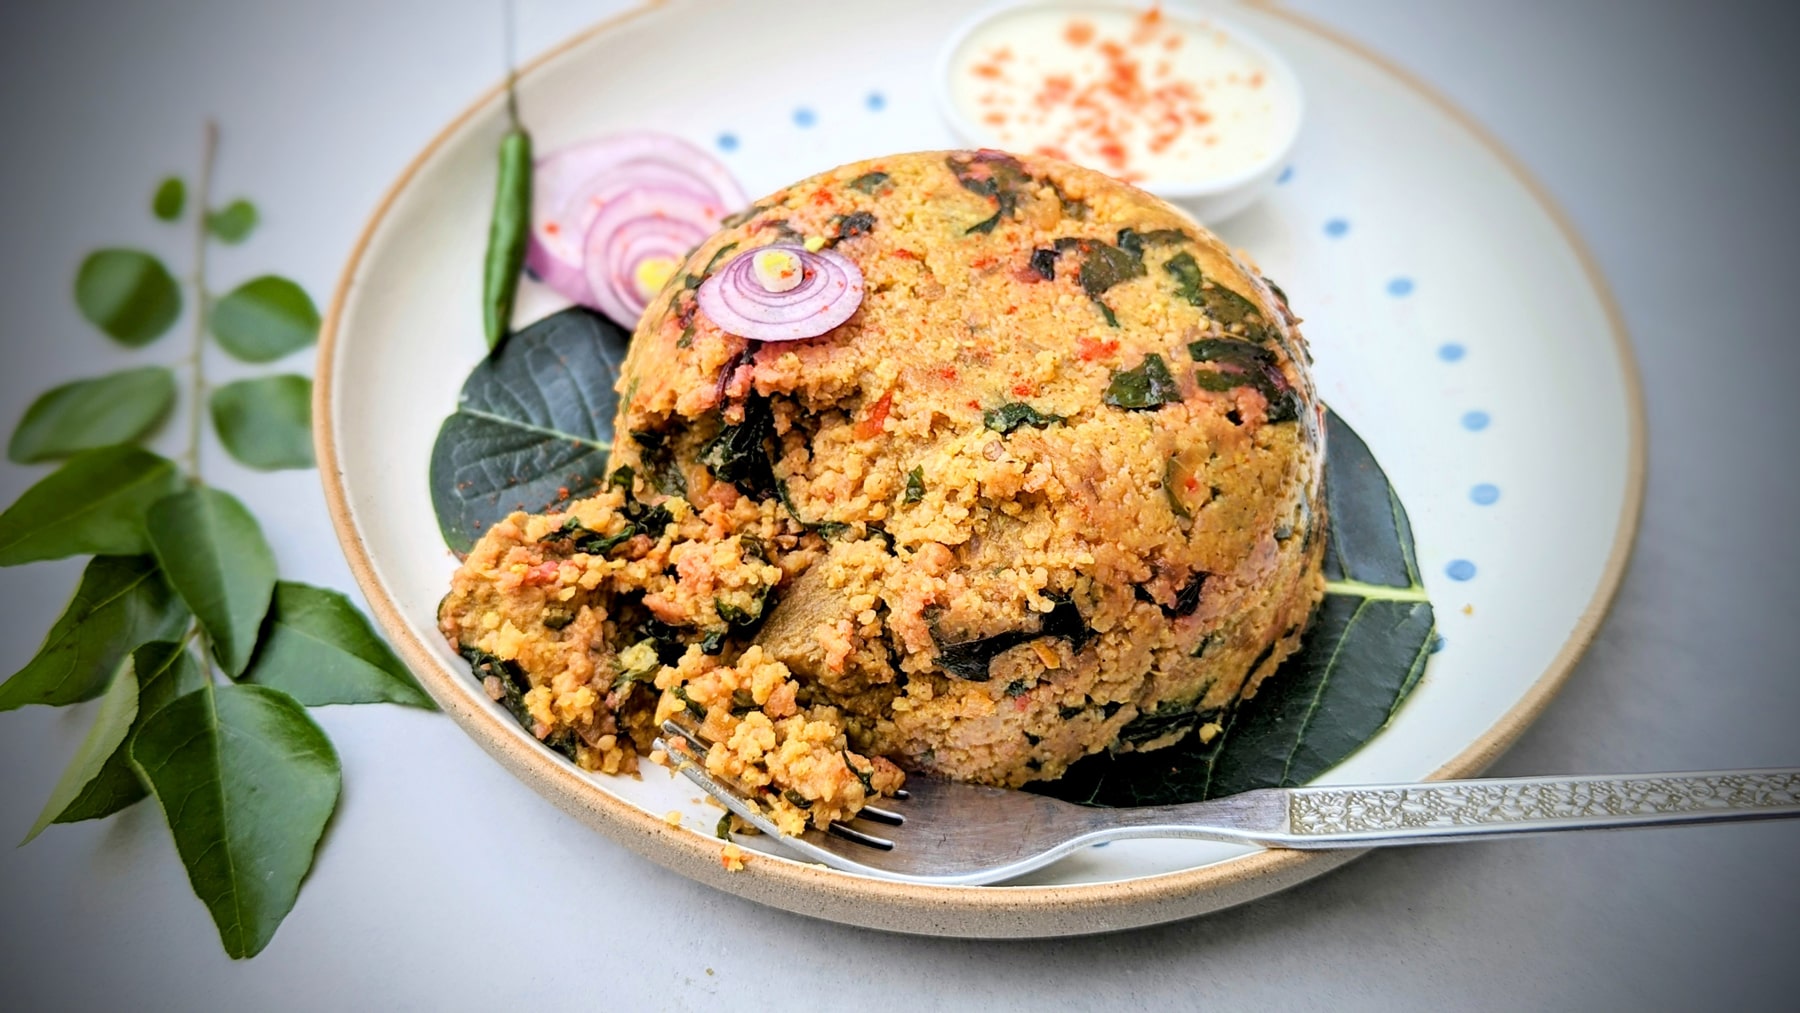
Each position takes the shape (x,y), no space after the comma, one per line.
(737,301)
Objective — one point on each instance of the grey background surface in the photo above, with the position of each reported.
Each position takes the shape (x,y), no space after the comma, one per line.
(1667,132)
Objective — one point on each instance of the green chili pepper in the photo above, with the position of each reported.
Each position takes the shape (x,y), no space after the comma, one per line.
(507,234)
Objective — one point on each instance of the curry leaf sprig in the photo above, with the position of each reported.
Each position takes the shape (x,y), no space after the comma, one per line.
(203,660)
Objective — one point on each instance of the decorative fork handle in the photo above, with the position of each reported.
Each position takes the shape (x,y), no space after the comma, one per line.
(1372,816)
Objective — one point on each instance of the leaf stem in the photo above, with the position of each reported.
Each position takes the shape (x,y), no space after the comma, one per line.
(1375,592)
(197,354)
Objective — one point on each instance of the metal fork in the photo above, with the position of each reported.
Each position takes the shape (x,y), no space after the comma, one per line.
(952,834)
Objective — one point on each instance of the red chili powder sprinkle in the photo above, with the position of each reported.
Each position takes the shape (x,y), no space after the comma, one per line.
(1136,101)
(1088,349)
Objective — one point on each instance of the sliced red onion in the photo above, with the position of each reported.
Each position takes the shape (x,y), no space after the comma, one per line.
(735,298)
(637,226)
(572,186)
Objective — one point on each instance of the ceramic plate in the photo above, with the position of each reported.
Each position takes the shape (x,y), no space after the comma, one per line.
(1457,325)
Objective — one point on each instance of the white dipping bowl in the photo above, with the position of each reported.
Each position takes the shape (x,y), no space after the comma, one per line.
(1208,199)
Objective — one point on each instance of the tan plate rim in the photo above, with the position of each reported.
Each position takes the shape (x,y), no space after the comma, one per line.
(1002,911)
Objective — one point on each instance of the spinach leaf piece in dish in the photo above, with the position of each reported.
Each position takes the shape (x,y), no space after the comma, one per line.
(1014,414)
(1148,386)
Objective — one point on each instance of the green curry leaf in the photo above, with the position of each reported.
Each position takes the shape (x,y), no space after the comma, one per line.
(265,319)
(123,601)
(118,709)
(170,199)
(266,422)
(128,294)
(319,649)
(115,408)
(246,782)
(234,222)
(93,505)
(163,670)
(215,557)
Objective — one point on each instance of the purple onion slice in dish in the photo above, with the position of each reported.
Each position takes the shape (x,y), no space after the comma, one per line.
(782,293)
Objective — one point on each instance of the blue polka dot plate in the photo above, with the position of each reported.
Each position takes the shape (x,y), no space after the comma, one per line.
(1457,323)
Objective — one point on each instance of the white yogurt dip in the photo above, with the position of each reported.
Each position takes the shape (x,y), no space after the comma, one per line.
(1167,100)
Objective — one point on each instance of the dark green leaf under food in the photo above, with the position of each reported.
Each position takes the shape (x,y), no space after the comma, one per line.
(99,412)
(869,182)
(247,782)
(170,199)
(93,505)
(1147,386)
(1362,655)
(213,553)
(533,426)
(1014,414)
(318,648)
(265,319)
(265,422)
(1043,262)
(122,602)
(128,294)
(915,486)
(162,670)
(234,222)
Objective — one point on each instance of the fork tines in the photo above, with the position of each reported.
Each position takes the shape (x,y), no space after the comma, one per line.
(745,803)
